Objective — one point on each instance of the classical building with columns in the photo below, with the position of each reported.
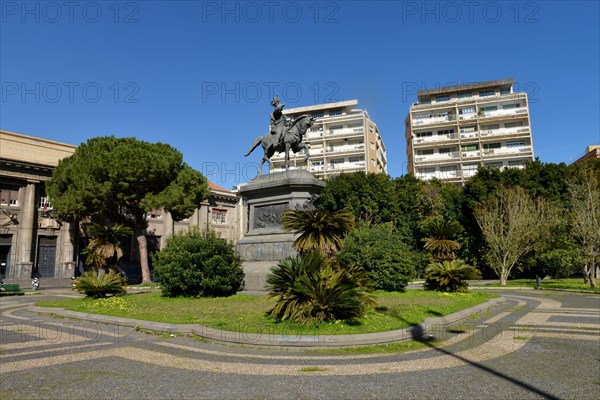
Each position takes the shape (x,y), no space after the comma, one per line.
(33,242)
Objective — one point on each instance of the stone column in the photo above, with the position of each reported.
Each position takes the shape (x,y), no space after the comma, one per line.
(25,245)
(67,251)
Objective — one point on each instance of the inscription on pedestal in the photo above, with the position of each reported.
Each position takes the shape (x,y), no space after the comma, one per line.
(269,216)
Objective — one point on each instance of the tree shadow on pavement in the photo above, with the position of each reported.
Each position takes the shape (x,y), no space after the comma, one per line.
(420,335)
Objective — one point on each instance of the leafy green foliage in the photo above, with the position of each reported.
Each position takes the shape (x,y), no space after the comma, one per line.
(120,179)
(312,288)
(96,284)
(105,246)
(439,232)
(389,262)
(318,229)
(561,263)
(195,263)
(450,276)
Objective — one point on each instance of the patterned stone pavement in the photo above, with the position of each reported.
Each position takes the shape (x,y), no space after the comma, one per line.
(534,345)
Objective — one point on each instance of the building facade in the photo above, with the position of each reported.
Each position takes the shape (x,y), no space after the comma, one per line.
(342,139)
(451,131)
(590,152)
(33,242)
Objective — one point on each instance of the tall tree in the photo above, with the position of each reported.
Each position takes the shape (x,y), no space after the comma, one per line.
(123,178)
(513,225)
(585,212)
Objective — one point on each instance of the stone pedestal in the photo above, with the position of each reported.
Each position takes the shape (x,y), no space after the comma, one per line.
(267,197)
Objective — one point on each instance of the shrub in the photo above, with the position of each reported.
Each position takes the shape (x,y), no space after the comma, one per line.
(450,276)
(561,263)
(99,284)
(312,288)
(389,262)
(195,263)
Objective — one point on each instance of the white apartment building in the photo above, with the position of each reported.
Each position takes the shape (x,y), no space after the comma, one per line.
(451,131)
(342,139)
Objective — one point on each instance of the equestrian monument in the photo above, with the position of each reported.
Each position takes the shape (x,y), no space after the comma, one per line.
(267,196)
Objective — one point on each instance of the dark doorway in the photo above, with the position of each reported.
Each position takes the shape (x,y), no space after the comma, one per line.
(5,245)
(46,257)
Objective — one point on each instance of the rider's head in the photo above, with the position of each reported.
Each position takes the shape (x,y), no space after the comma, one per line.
(275,101)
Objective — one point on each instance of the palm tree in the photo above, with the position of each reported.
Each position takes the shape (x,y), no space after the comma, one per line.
(450,276)
(318,229)
(105,245)
(439,232)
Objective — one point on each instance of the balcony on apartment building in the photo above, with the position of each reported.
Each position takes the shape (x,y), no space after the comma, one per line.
(424,158)
(503,113)
(507,151)
(433,120)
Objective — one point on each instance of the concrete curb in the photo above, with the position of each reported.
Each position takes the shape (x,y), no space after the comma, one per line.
(531,288)
(274,337)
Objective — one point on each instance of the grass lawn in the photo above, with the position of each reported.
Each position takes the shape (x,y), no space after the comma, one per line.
(245,313)
(568,283)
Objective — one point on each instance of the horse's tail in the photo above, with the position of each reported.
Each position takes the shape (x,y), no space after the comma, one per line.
(254,145)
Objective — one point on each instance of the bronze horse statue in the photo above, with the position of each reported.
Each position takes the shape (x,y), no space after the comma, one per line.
(292,140)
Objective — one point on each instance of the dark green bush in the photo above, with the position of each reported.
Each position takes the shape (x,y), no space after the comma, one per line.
(99,284)
(389,262)
(450,276)
(195,263)
(313,288)
(561,263)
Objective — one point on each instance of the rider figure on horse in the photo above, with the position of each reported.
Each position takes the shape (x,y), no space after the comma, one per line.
(278,120)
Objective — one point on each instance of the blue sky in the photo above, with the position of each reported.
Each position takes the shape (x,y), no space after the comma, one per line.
(200,75)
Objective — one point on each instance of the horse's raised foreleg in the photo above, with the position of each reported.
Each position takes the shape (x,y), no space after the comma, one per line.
(287,156)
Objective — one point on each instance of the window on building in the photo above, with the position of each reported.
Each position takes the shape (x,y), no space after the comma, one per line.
(448,168)
(470,167)
(515,143)
(516,163)
(425,152)
(426,170)
(446,150)
(441,114)
(219,216)
(467,110)
(510,106)
(316,163)
(469,147)
(489,108)
(356,159)
(490,146)
(9,195)
(445,132)
(505,91)
(422,116)
(513,124)
(44,202)
(442,98)
(423,134)
(490,127)
(466,95)
(467,129)
(319,114)
(373,162)
(335,113)
(372,145)
(494,164)
(155,213)
(487,93)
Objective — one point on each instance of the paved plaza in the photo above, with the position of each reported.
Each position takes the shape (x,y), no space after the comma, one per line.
(536,344)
